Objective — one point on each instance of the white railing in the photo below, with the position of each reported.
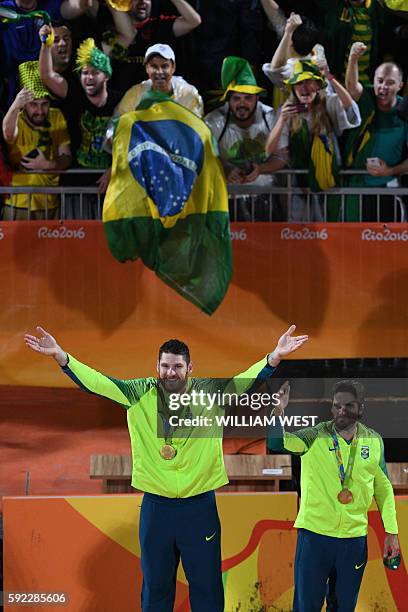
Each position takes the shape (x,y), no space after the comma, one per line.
(278,202)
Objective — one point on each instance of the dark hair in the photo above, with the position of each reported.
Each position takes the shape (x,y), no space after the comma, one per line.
(176,347)
(58,23)
(350,386)
(305,37)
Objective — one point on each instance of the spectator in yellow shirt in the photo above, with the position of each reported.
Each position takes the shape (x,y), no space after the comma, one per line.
(37,139)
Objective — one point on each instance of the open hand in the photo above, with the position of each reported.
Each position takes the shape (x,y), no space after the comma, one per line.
(286,344)
(46,345)
(23,97)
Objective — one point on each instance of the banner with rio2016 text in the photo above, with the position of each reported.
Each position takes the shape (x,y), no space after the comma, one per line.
(346,285)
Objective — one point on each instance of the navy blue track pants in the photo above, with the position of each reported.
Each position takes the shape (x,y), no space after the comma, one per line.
(189,529)
(327,566)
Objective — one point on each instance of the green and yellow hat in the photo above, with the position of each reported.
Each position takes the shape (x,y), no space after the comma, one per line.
(29,73)
(397,5)
(237,75)
(305,70)
(88,54)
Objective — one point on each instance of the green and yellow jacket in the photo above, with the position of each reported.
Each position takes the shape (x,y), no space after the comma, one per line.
(199,463)
(320,511)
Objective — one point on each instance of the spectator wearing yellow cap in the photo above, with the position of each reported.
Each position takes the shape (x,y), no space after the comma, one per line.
(37,139)
(307,130)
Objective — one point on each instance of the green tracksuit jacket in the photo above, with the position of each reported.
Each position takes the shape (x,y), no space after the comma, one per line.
(320,511)
(199,463)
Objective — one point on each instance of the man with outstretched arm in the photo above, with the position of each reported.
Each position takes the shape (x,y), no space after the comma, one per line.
(343,467)
(178,476)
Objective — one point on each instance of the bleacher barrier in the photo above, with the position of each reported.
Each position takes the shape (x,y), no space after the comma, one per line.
(281,201)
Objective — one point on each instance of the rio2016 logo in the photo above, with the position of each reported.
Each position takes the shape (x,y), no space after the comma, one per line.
(239,234)
(61,232)
(384,235)
(304,234)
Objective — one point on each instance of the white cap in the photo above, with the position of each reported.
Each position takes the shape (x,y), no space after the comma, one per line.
(159,49)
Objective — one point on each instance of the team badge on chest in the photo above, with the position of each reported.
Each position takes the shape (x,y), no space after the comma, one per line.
(365,452)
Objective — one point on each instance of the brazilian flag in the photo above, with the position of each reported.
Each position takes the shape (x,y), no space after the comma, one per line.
(167,200)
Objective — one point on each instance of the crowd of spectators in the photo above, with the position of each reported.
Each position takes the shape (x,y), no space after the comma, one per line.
(281,84)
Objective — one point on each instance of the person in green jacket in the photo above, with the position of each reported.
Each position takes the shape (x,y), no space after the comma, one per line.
(178,473)
(345,22)
(342,468)
(379,144)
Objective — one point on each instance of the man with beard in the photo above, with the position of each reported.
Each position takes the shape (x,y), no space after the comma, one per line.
(242,125)
(160,65)
(37,139)
(147,26)
(55,57)
(178,474)
(343,467)
(89,106)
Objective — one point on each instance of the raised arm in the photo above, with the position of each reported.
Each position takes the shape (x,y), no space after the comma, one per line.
(286,345)
(188,20)
(275,15)
(125,32)
(278,440)
(10,121)
(125,392)
(282,52)
(70,9)
(53,80)
(342,93)
(353,86)
(47,345)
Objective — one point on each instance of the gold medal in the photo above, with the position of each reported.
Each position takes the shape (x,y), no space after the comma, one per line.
(345,496)
(168,452)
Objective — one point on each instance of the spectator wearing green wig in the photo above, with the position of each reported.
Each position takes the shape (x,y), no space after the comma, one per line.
(89,107)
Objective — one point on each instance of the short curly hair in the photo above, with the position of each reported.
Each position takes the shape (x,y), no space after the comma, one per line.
(176,347)
(350,386)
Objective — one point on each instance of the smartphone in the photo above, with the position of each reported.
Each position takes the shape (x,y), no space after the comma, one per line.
(374,161)
(32,154)
(300,108)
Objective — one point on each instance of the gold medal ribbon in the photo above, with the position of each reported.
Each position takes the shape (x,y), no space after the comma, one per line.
(345,496)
